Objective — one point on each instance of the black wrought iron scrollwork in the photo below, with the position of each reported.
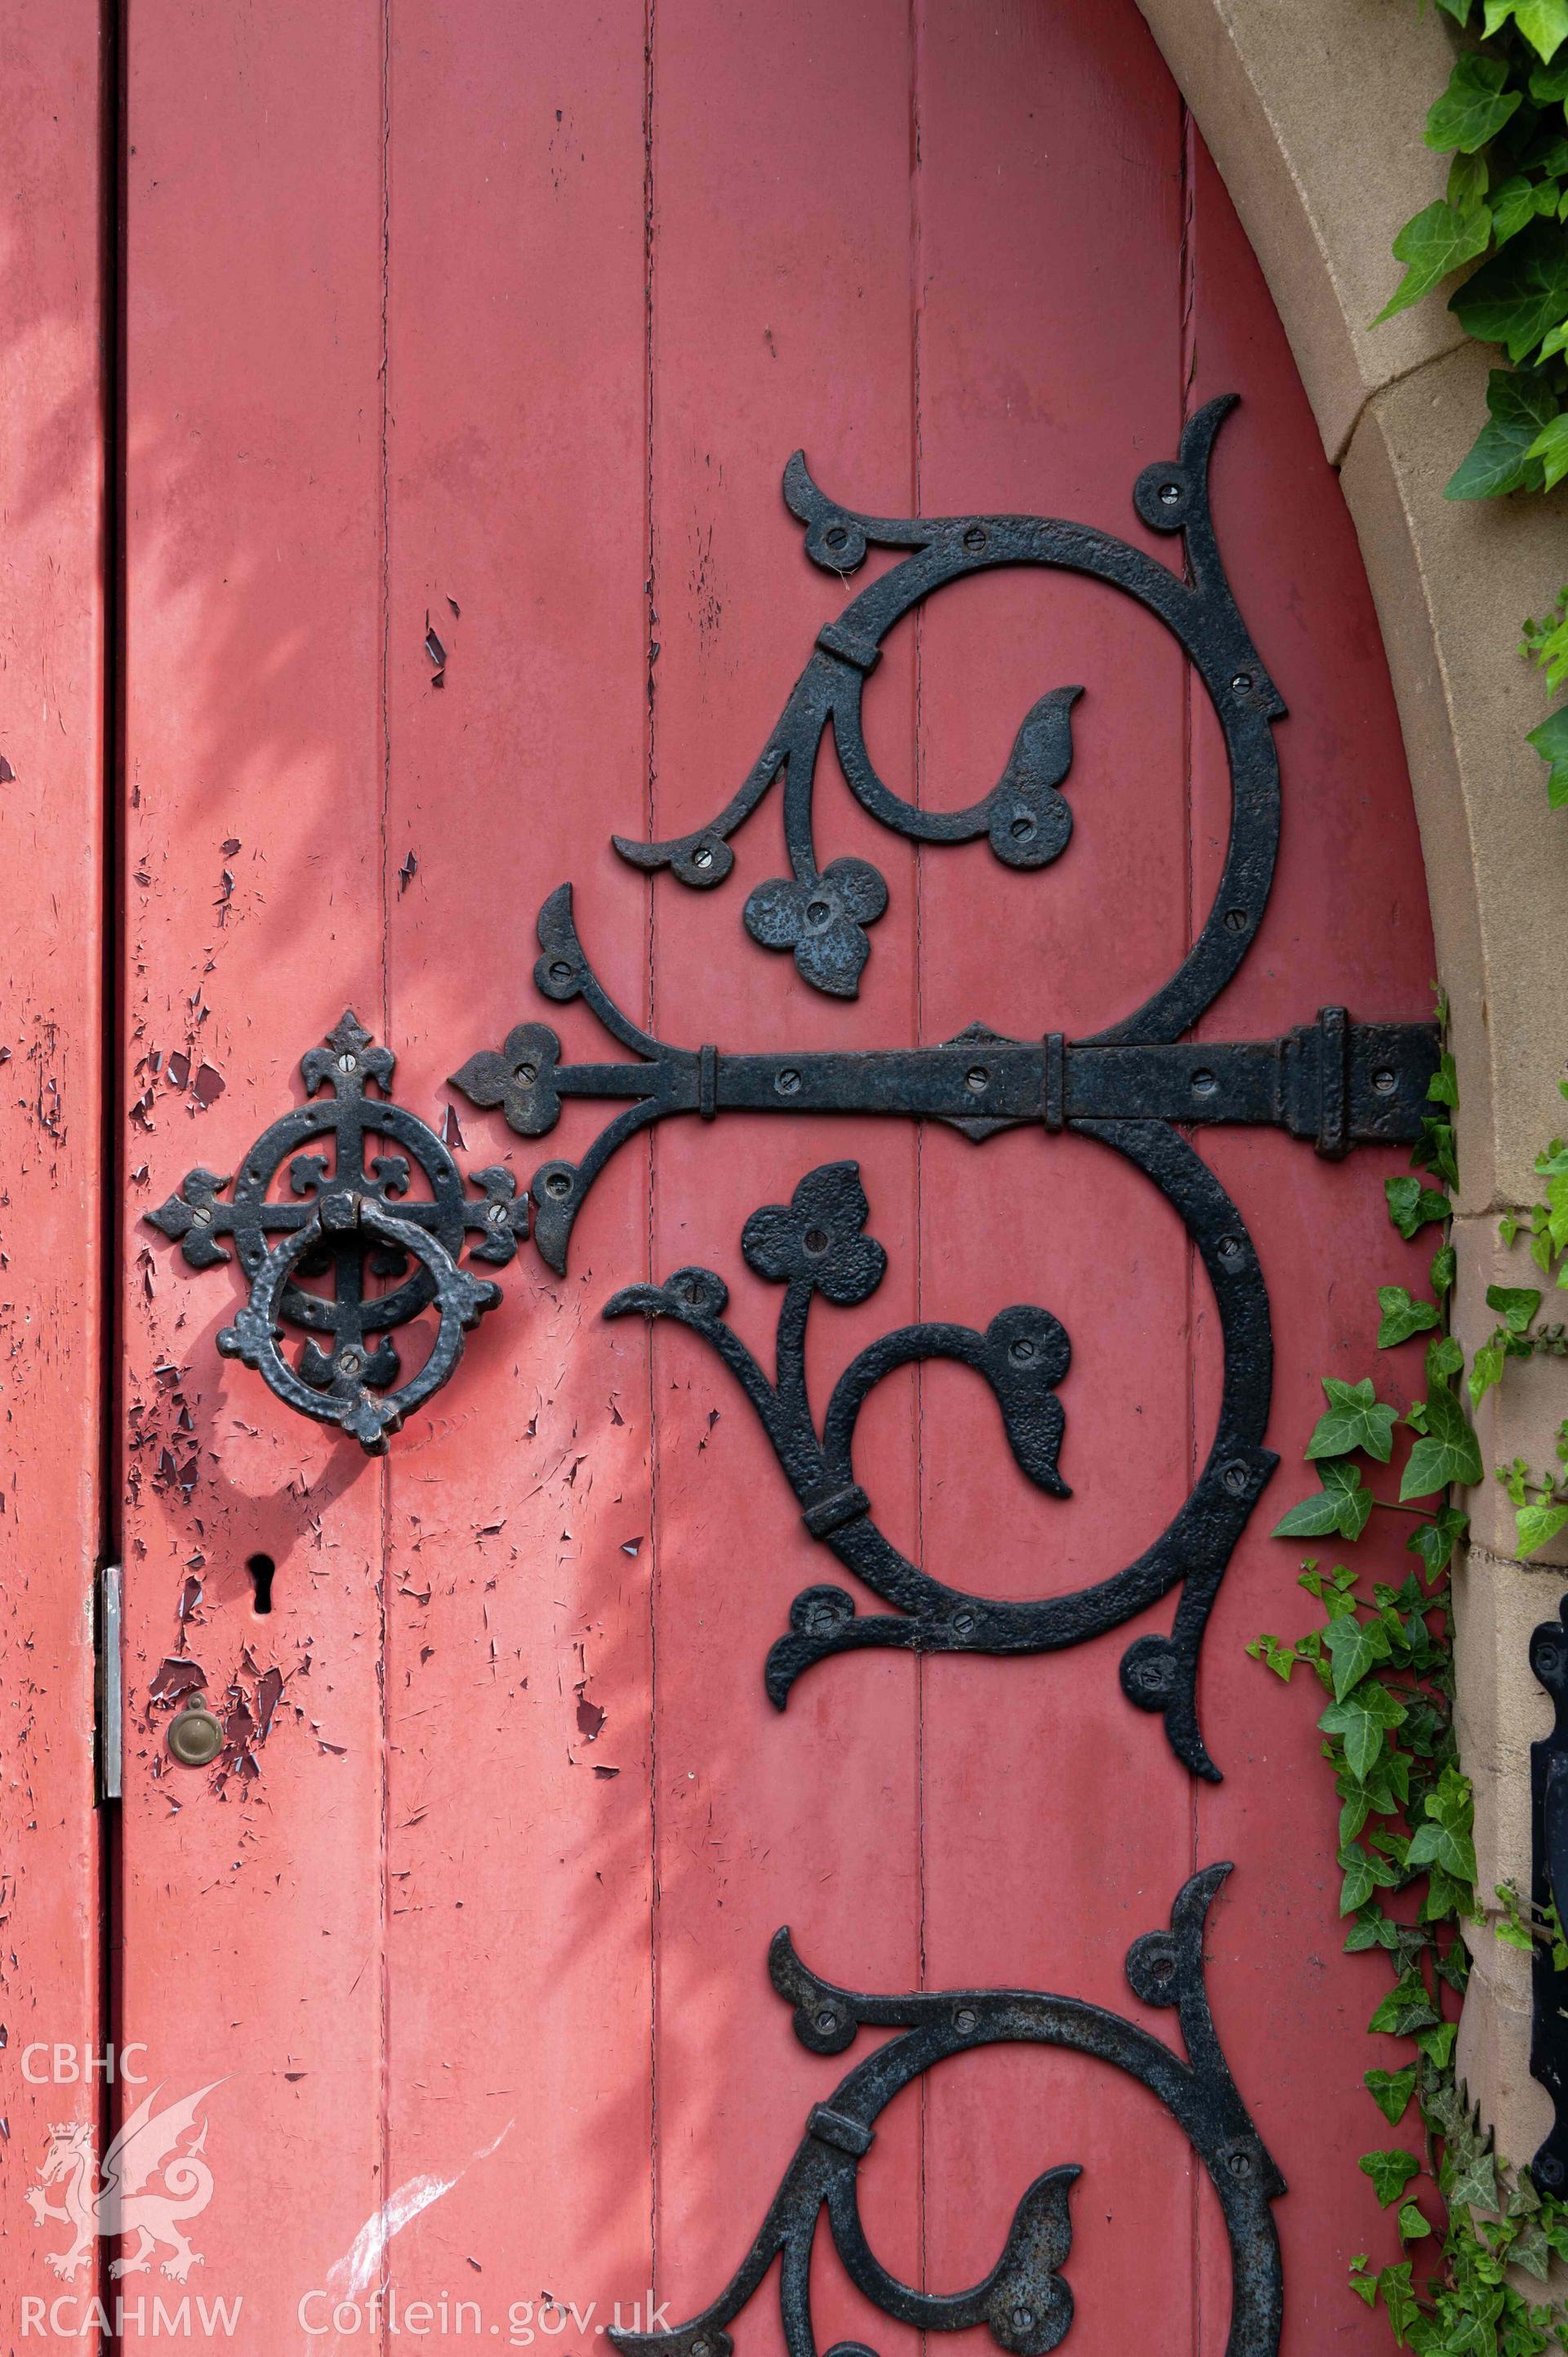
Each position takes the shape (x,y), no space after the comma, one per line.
(823,913)
(350,1219)
(1025,2301)
(1549,1831)
(816,1246)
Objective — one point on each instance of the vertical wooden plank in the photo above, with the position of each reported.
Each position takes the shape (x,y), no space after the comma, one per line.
(252,1952)
(1055,1818)
(1348,925)
(780,317)
(51,1122)
(519,1640)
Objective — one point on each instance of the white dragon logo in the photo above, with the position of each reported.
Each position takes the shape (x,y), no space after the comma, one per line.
(128,2202)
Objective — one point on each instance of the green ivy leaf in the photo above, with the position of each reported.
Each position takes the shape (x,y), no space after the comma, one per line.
(1443,1088)
(1520,402)
(1363,1720)
(1391,2091)
(1550,741)
(1355,1418)
(1411,2224)
(1433,245)
(1514,206)
(1363,1874)
(1443,1358)
(1446,1452)
(1355,1646)
(1401,1316)
(1437,2043)
(1531,2251)
(1391,2172)
(1550,447)
(1474,2179)
(1412,1205)
(1434,1541)
(1485,1369)
(1394,2283)
(1476,104)
(1444,1268)
(1543,23)
(1343,1505)
(1469,176)
(1519,296)
(1444,1846)
(1537,1524)
(1515,1304)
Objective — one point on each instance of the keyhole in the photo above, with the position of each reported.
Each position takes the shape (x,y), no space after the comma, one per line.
(261,1569)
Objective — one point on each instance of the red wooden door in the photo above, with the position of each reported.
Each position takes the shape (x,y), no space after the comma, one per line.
(463,349)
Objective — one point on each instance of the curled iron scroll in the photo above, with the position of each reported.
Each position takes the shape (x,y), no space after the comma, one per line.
(1025,2300)
(822,913)
(815,1244)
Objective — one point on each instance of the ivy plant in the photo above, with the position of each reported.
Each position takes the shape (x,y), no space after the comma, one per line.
(1468,2230)
(1503,218)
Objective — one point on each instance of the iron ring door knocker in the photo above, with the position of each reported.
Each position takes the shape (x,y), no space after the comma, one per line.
(1024,2301)
(345,1223)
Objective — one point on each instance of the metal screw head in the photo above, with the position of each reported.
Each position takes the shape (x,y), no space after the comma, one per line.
(702,856)
(558,1185)
(1236,1478)
(975,538)
(1204,1084)
(526,1073)
(825,2021)
(699,2349)
(1022,2319)
(1242,681)
(815,1240)
(1384,1082)
(1163,1967)
(201,1217)
(1023,826)
(350,1363)
(496,1215)
(1021,1352)
(818,912)
(835,535)
(976,1079)
(1239,2164)
(194,1735)
(1170,495)
(963,1622)
(1548,2167)
(1235,920)
(1549,1661)
(964,2021)
(347,1063)
(1229,1251)
(560,971)
(787,1082)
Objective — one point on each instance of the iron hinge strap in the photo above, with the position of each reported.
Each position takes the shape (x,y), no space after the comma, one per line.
(1339,1083)
(109,1690)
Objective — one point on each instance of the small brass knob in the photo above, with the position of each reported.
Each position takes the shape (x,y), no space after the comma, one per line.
(194,1734)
